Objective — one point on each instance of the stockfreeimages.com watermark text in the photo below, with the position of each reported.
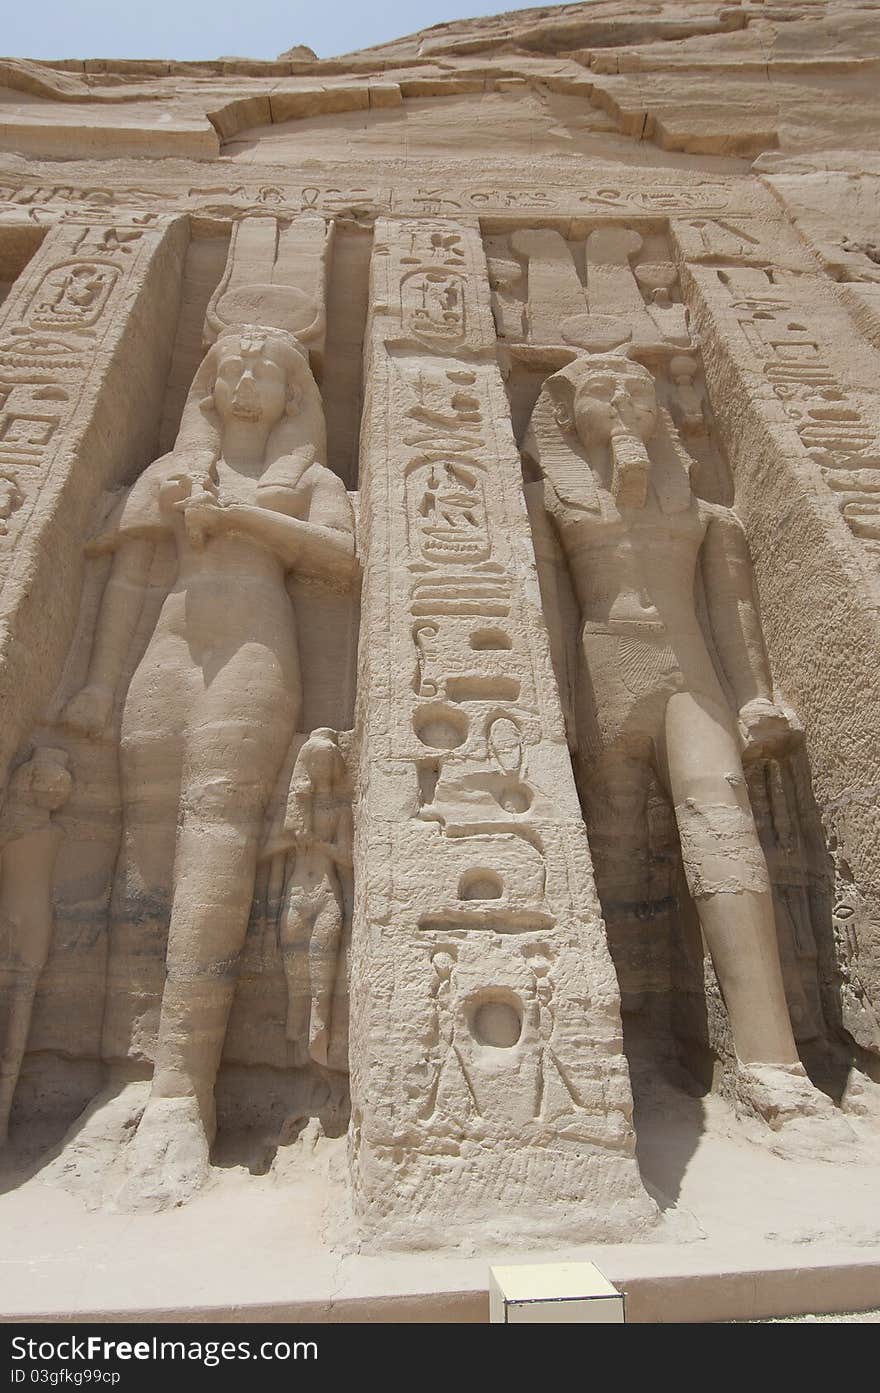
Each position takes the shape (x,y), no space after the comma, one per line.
(94,1349)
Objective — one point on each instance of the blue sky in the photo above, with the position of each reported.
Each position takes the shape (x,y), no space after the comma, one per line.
(214,28)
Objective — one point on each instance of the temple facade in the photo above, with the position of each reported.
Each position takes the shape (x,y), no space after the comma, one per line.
(439,642)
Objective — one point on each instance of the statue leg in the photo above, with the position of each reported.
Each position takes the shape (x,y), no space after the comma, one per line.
(17,993)
(229,771)
(614,796)
(296,928)
(140,906)
(151,754)
(727,876)
(323,957)
(214,876)
(26,912)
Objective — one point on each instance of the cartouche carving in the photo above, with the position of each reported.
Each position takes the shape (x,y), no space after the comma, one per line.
(72,296)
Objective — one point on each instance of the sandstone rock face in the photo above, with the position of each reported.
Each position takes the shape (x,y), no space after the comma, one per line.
(439,649)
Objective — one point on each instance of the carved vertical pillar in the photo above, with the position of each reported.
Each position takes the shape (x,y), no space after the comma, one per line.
(794,389)
(85,339)
(489,1086)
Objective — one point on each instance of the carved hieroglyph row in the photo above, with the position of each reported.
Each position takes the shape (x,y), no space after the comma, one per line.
(45,202)
(487,1068)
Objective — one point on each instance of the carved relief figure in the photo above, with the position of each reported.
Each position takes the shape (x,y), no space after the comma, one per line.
(309,853)
(662,693)
(442,1044)
(29,842)
(243,499)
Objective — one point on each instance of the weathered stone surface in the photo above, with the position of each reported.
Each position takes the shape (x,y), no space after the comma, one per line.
(439,646)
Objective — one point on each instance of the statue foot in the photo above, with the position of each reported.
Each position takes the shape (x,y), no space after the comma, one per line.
(802,1120)
(93,1143)
(861,1098)
(168,1159)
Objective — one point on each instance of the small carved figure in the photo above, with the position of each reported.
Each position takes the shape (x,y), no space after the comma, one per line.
(443,1025)
(309,853)
(652,699)
(29,842)
(244,498)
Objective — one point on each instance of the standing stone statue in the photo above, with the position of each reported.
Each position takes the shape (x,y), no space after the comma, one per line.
(310,851)
(29,842)
(662,693)
(244,498)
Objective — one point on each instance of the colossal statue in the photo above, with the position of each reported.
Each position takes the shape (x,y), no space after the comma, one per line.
(674,683)
(210,712)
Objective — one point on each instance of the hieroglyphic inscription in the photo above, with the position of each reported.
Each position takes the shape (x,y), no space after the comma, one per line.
(471,687)
(46,203)
(469,803)
(72,295)
(702,198)
(831,425)
(53,323)
(446,501)
(433,303)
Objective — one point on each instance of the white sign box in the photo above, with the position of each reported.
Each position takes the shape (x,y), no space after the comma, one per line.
(557,1293)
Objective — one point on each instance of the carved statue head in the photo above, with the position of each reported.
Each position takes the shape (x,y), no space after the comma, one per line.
(321,759)
(43,781)
(609,406)
(613,397)
(253,378)
(592,424)
(259,377)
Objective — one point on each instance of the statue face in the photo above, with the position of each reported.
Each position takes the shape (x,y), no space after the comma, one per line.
(51,787)
(322,763)
(42,782)
(610,404)
(251,383)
